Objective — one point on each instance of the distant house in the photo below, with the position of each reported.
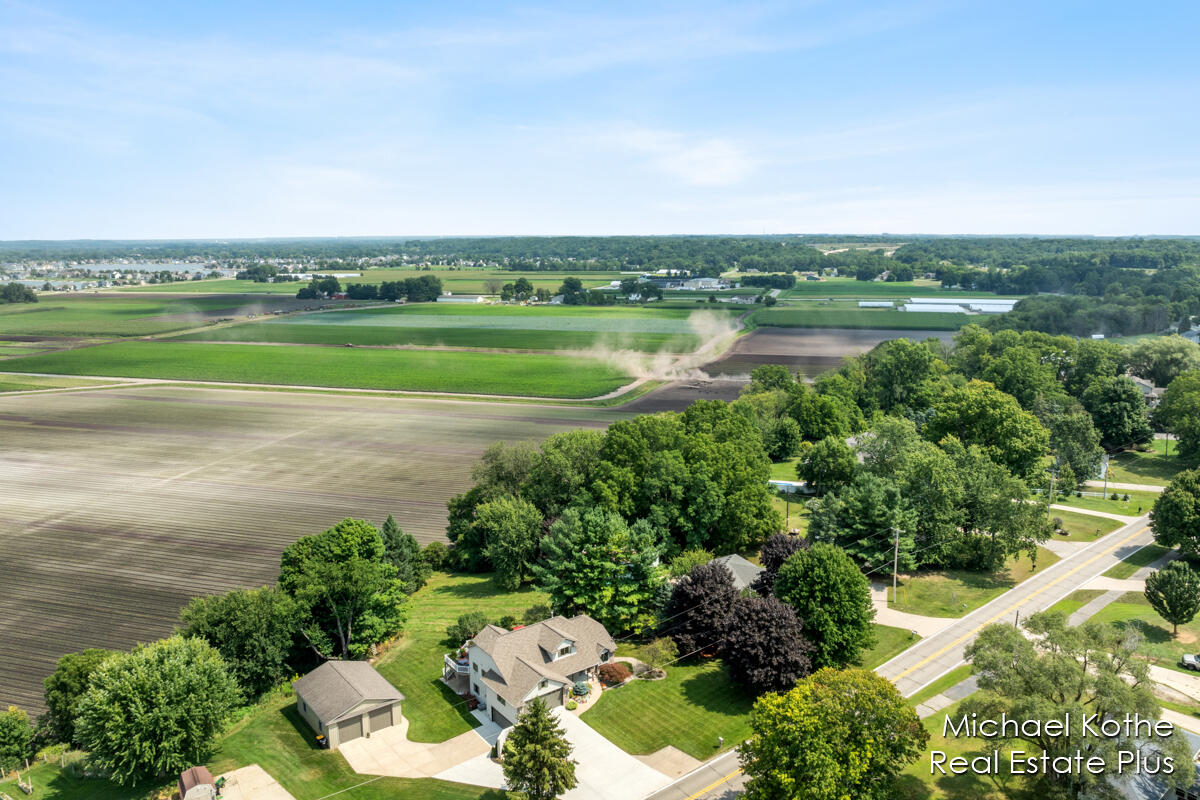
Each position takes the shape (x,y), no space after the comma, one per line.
(1150,393)
(744,573)
(345,700)
(510,668)
(1135,785)
(197,784)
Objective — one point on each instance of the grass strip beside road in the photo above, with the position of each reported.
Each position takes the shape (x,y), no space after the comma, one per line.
(1136,560)
(527,374)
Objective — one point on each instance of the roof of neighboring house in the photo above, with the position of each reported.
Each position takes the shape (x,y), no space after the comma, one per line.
(1133,786)
(744,573)
(338,687)
(524,657)
(191,778)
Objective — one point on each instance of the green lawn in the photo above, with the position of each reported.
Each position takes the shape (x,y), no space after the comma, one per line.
(784,470)
(52,783)
(1139,502)
(413,370)
(1140,558)
(889,642)
(414,664)
(860,318)
(1133,612)
(849,287)
(1076,600)
(1083,527)
(115,315)
(22,383)
(1153,466)
(916,782)
(951,678)
(278,740)
(688,709)
(953,593)
(797,514)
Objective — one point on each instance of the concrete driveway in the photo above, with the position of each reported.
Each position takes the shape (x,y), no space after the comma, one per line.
(604,771)
(389,752)
(252,783)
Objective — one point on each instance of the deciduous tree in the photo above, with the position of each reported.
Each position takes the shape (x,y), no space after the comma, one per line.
(157,710)
(1174,592)
(981,414)
(1175,517)
(827,465)
(826,590)
(1118,409)
(699,607)
(775,551)
(16,737)
(837,734)
(765,647)
(64,687)
(512,528)
(1161,359)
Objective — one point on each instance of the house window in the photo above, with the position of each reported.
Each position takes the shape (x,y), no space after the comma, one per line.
(475,686)
(303,707)
(564,650)
(543,684)
(605,655)
(499,699)
(475,666)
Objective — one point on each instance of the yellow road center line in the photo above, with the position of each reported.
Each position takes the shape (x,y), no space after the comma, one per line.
(714,785)
(1016,604)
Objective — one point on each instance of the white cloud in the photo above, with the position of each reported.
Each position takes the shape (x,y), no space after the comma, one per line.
(696,161)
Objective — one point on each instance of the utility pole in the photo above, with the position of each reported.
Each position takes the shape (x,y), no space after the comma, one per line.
(1050,497)
(895,565)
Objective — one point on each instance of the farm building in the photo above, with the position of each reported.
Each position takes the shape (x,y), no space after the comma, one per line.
(876,304)
(461,298)
(197,784)
(704,283)
(993,306)
(940,308)
(344,700)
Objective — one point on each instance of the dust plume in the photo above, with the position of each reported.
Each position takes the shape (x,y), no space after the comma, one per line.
(714,332)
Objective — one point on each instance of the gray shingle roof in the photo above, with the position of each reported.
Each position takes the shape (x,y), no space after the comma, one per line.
(524,657)
(744,573)
(337,687)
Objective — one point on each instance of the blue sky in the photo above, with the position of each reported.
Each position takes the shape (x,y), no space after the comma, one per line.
(233,119)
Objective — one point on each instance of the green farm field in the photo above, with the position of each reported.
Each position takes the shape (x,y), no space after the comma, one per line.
(529,374)
(92,315)
(162,493)
(501,326)
(473,281)
(883,290)
(860,318)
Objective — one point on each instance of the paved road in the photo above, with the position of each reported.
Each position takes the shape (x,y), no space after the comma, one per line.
(931,658)
(720,777)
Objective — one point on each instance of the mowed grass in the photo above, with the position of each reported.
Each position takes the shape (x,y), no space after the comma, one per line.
(849,287)
(1137,504)
(530,374)
(693,705)
(951,678)
(889,642)
(1133,612)
(1136,560)
(955,592)
(113,315)
(277,739)
(861,318)
(1076,600)
(1152,466)
(1083,527)
(414,663)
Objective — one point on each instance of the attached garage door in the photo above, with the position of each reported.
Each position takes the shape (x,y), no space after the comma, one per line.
(552,699)
(380,718)
(350,729)
(500,719)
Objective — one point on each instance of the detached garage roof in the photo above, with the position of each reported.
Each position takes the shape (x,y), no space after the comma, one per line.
(744,572)
(336,688)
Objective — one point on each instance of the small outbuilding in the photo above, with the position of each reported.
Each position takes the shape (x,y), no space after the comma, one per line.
(744,572)
(344,700)
(197,784)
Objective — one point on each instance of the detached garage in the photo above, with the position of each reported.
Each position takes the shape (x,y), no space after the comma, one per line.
(345,700)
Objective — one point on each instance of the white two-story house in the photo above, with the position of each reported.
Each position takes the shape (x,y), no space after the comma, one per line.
(510,668)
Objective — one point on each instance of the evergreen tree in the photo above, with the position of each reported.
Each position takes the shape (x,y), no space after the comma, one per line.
(402,551)
(537,758)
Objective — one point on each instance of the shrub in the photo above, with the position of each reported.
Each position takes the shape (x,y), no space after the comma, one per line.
(467,626)
(683,563)
(436,554)
(1114,496)
(508,621)
(572,705)
(615,673)
(1057,523)
(1125,497)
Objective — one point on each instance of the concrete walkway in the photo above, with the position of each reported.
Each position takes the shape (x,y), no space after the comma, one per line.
(921,625)
(1186,683)
(1115,584)
(949,697)
(1118,517)
(389,752)
(1063,548)
(1093,607)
